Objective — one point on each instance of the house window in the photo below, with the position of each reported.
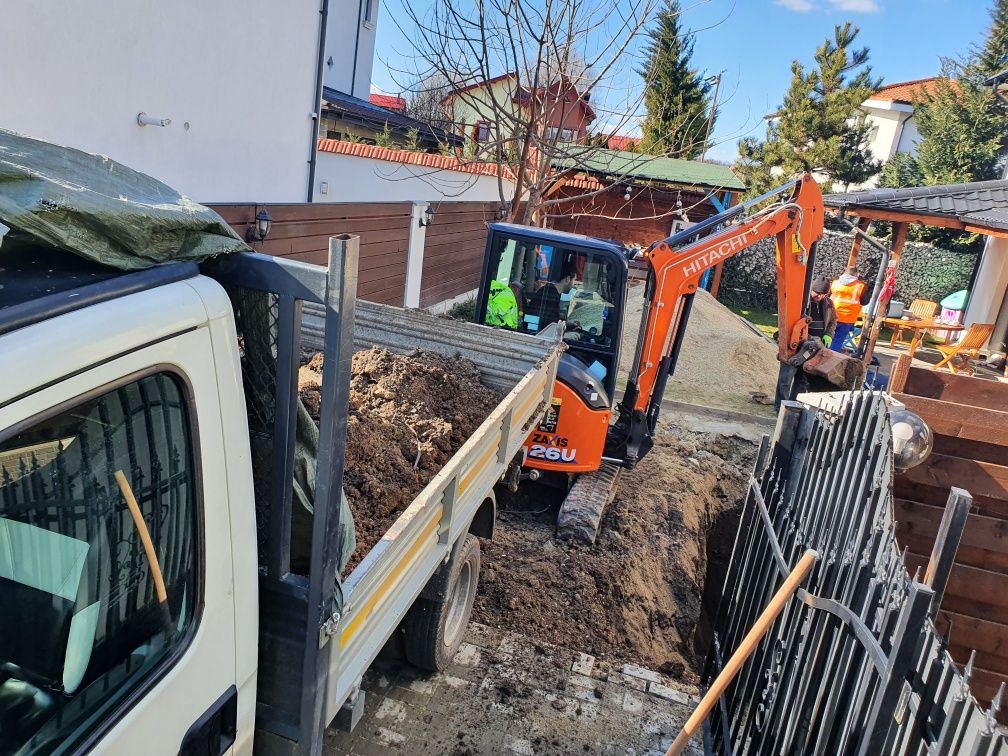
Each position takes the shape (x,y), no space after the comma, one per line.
(482,131)
(89,626)
(333,134)
(370,11)
(560,135)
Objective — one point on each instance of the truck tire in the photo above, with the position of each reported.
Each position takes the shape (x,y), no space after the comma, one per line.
(434,629)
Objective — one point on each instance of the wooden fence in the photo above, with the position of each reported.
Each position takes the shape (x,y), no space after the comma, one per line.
(452,245)
(453,253)
(969,417)
(301,232)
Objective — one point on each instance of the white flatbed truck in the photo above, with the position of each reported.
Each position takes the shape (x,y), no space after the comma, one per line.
(119,386)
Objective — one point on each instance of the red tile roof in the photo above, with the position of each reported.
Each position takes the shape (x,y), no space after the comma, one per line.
(622,142)
(407,157)
(905,91)
(387,101)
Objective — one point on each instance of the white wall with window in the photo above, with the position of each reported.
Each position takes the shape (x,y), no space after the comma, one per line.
(79,74)
(560,135)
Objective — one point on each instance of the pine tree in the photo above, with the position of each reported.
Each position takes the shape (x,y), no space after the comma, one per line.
(964,131)
(992,58)
(962,127)
(675,94)
(820,126)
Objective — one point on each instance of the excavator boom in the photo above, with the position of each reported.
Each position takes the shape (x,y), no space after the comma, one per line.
(796,224)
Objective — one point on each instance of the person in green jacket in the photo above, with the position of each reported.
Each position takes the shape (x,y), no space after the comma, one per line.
(502,308)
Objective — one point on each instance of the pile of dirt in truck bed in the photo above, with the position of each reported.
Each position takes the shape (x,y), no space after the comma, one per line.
(723,358)
(636,594)
(408,415)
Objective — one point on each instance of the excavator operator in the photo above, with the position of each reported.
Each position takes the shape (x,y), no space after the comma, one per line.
(545,304)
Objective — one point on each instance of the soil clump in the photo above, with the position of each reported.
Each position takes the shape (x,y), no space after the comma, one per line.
(636,594)
(408,415)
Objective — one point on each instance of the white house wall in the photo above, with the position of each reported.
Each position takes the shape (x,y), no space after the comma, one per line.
(888,121)
(910,137)
(991,282)
(350,37)
(236,78)
(356,179)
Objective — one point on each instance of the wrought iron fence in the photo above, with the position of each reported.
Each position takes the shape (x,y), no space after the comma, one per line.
(853,664)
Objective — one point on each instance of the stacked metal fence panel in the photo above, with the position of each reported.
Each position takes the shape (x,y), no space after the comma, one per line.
(852,664)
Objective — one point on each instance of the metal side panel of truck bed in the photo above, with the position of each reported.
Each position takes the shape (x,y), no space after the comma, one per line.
(383,586)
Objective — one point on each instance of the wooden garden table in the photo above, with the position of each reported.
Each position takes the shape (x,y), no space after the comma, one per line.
(919,328)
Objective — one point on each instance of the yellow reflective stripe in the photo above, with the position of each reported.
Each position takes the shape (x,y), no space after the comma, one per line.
(386,585)
(530,401)
(468,479)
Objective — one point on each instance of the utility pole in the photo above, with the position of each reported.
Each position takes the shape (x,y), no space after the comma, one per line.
(716,81)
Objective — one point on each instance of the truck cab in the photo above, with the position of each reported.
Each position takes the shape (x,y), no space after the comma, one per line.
(105,372)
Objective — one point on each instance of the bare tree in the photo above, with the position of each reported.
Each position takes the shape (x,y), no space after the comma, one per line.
(425,98)
(552,57)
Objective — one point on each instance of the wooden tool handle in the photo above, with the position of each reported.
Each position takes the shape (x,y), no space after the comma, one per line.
(145,539)
(744,651)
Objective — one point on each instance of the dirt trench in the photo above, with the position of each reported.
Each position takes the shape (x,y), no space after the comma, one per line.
(408,415)
(637,594)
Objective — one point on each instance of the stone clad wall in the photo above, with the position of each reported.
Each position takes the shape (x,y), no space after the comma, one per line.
(925,272)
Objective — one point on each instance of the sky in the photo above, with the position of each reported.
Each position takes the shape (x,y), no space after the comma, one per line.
(754,41)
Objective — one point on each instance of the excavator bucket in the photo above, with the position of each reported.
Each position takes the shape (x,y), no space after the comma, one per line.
(843,371)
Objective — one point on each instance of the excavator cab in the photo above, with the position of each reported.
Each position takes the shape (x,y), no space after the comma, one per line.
(534,278)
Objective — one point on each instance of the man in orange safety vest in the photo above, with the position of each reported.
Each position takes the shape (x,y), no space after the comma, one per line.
(849,294)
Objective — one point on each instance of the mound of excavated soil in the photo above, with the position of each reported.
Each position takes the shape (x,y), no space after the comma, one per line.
(722,359)
(636,594)
(408,415)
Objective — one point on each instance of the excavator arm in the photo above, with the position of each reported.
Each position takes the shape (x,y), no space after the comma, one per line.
(796,224)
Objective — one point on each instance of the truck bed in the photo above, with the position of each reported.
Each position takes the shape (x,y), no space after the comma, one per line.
(384,585)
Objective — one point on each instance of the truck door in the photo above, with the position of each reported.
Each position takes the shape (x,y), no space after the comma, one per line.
(92,658)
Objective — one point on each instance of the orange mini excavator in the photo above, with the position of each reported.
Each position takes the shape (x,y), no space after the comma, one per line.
(534,278)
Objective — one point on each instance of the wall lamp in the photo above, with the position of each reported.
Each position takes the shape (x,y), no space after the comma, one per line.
(259,230)
(428,217)
(626,194)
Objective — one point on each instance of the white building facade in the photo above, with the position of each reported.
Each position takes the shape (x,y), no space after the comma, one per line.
(350,46)
(229,88)
(890,114)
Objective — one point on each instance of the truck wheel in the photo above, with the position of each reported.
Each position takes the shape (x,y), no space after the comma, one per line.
(434,629)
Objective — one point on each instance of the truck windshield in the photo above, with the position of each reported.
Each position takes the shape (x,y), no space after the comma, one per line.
(534,285)
(88,627)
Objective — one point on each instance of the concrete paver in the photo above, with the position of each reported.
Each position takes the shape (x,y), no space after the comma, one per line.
(509,694)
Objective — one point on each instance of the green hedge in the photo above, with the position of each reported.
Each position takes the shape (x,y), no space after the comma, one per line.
(925,271)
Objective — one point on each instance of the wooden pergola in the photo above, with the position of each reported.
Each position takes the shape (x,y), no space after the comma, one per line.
(980,207)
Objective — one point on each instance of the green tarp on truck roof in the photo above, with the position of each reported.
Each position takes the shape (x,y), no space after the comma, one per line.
(63,199)
(90,205)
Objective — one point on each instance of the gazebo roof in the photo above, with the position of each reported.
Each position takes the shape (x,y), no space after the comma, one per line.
(981,206)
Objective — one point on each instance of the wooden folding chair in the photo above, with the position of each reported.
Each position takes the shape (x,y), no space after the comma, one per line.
(959,356)
(924,309)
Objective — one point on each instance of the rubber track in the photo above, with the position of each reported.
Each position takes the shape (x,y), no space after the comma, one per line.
(581,513)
